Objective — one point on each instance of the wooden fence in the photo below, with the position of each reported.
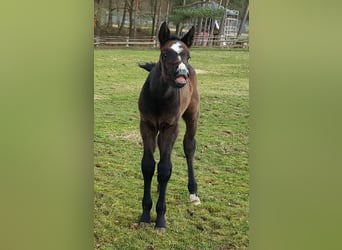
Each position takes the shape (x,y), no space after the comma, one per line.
(112,41)
(199,41)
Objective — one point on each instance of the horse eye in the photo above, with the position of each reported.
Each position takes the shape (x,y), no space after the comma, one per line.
(164,54)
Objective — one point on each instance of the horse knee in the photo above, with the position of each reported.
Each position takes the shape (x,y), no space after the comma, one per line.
(164,171)
(147,166)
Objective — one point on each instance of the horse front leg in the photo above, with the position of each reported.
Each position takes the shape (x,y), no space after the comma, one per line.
(166,139)
(189,146)
(148,135)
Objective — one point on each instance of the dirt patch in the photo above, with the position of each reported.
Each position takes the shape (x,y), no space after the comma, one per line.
(201,71)
(131,136)
(98,97)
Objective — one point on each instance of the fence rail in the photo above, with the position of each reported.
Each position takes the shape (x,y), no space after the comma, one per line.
(124,41)
(199,41)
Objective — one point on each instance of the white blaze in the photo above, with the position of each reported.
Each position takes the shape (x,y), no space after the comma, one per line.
(177,47)
(182,66)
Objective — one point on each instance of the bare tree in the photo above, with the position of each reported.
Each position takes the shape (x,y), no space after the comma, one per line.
(123,16)
(110,9)
(131,20)
(158,16)
(168,6)
(179,25)
(136,8)
(117,8)
(243,20)
(125,13)
(226,3)
(97,17)
(153,15)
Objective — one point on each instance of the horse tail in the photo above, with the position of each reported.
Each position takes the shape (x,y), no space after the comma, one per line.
(147,66)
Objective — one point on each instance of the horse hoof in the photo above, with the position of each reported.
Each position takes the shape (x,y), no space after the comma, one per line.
(194,199)
(161,229)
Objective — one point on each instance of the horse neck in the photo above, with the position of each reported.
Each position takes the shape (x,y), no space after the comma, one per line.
(160,87)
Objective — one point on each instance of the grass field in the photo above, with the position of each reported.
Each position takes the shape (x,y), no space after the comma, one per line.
(221,169)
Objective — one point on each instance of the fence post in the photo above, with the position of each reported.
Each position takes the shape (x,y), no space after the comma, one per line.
(127,41)
(154,42)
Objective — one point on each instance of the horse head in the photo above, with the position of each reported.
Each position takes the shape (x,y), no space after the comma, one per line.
(175,55)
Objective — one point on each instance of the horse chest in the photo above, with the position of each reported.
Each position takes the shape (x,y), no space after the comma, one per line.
(173,104)
(163,112)
(167,112)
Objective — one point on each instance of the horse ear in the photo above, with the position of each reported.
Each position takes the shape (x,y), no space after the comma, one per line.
(164,34)
(188,38)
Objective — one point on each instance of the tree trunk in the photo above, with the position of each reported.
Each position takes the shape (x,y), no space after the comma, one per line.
(200,32)
(154,13)
(123,17)
(109,21)
(97,24)
(196,31)
(167,11)
(223,18)
(117,14)
(179,26)
(135,18)
(131,9)
(205,31)
(158,16)
(211,33)
(243,21)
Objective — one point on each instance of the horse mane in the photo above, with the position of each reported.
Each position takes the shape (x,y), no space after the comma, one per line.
(147,66)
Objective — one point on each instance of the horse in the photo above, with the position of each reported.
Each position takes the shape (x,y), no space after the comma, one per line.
(169,93)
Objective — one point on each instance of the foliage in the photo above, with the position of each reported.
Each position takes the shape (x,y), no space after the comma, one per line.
(221,158)
(184,14)
(239,5)
(147,13)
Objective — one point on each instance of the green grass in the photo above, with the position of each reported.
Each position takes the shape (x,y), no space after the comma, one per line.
(221,221)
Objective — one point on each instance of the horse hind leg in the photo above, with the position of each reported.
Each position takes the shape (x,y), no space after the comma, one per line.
(189,146)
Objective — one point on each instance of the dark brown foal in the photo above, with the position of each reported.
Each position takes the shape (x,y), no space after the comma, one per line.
(169,93)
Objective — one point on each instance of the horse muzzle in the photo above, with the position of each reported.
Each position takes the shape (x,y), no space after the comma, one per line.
(182,75)
(181,81)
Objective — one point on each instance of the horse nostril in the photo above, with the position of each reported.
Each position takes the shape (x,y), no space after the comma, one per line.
(182,70)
